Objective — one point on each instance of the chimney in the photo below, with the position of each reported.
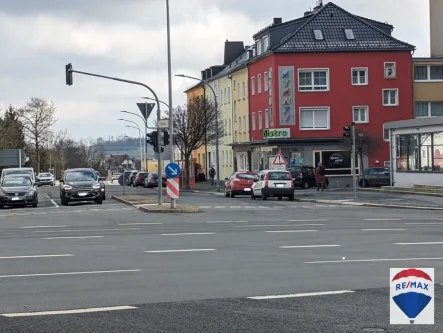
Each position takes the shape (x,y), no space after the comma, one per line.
(277,20)
(232,51)
(203,74)
(436,27)
(319,5)
(208,73)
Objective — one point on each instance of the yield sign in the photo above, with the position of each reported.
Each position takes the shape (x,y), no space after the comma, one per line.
(279,159)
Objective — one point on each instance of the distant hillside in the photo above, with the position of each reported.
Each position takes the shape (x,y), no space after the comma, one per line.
(129,146)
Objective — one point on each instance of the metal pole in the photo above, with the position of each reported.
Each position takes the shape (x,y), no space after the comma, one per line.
(159,159)
(217,139)
(171,120)
(146,138)
(141,149)
(19,158)
(354,182)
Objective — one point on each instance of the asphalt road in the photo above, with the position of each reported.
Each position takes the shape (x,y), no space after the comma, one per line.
(195,272)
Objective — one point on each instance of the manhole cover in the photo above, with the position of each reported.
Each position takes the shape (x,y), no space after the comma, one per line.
(373,330)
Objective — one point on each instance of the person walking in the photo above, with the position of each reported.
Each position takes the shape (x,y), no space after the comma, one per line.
(320,177)
(212,174)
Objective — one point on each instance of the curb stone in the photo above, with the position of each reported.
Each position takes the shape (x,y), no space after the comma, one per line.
(167,209)
(368,204)
(438,195)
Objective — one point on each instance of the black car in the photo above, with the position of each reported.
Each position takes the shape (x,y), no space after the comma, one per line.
(131,177)
(152,180)
(304,176)
(80,185)
(375,177)
(18,190)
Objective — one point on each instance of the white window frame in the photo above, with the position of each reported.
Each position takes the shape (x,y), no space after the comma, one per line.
(244,124)
(252,85)
(253,121)
(320,108)
(429,107)
(266,118)
(234,108)
(385,67)
(221,97)
(312,71)
(243,86)
(225,96)
(233,86)
(229,95)
(265,43)
(389,135)
(239,124)
(265,81)
(260,120)
(359,69)
(383,96)
(428,71)
(229,127)
(259,84)
(366,108)
(238,91)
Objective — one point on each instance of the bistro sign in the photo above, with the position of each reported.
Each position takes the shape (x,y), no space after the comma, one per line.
(281,133)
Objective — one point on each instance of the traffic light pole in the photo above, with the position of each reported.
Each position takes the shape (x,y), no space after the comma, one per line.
(69,81)
(354,181)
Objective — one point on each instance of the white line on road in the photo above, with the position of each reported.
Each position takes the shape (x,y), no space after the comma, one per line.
(44,226)
(275,225)
(369,260)
(226,221)
(291,231)
(63,312)
(425,223)
(83,230)
(38,256)
(399,229)
(52,201)
(323,293)
(189,233)
(189,250)
(71,273)
(74,237)
(381,219)
(318,220)
(422,243)
(219,207)
(306,246)
(141,223)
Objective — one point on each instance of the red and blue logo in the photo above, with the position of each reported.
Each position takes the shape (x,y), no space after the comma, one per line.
(412,290)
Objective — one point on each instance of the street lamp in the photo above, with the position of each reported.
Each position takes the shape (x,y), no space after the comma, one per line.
(152,99)
(217,139)
(133,122)
(140,139)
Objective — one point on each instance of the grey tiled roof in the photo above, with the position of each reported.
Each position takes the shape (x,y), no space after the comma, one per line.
(332,20)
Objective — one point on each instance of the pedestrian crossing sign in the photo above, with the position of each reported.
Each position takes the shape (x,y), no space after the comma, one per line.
(279,159)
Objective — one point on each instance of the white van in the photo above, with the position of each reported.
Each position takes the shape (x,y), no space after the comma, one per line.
(17,171)
(273,183)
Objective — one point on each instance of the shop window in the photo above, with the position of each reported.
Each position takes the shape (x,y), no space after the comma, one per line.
(336,162)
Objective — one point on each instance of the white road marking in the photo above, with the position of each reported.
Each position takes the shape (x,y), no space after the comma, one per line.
(399,229)
(205,206)
(422,243)
(63,312)
(291,231)
(38,256)
(370,260)
(171,251)
(425,223)
(306,246)
(189,233)
(83,230)
(44,226)
(219,207)
(322,293)
(226,221)
(141,223)
(318,220)
(382,219)
(235,207)
(274,225)
(70,273)
(74,237)
(52,201)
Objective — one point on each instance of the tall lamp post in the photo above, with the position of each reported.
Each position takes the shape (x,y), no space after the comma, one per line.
(133,122)
(140,139)
(217,139)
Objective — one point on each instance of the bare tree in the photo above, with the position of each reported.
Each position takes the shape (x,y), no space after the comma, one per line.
(37,117)
(195,126)
(91,151)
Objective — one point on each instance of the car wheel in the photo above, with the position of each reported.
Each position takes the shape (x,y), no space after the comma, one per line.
(291,198)
(305,185)
(99,201)
(279,198)
(2,206)
(35,204)
(226,193)
(231,194)
(64,201)
(263,195)
(104,196)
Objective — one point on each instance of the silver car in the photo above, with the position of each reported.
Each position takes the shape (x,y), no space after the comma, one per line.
(18,190)
(45,178)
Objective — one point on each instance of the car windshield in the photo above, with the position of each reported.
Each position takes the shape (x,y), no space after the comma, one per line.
(40,175)
(279,176)
(80,176)
(16,181)
(246,176)
(295,169)
(17,172)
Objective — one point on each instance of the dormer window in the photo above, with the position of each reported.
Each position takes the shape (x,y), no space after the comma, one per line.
(259,49)
(265,43)
(349,34)
(318,34)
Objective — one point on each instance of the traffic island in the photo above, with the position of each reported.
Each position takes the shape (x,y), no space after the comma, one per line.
(166,208)
(135,200)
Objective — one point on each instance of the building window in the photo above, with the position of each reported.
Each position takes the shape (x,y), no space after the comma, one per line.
(259,83)
(258,45)
(428,109)
(390,70)
(265,43)
(229,126)
(226,96)
(229,94)
(390,97)
(244,124)
(349,33)
(221,96)
(360,114)
(318,35)
(253,121)
(359,76)
(313,79)
(239,124)
(260,120)
(230,158)
(386,134)
(336,162)
(314,118)
(239,92)
(266,81)
(252,85)
(244,89)
(428,73)
(266,118)
(233,85)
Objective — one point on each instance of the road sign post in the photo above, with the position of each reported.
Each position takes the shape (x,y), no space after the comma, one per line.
(172,171)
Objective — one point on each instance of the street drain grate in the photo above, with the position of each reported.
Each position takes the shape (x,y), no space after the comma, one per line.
(373,330)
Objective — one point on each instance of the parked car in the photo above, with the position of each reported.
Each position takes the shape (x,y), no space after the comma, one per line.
(116,176)
(131,177)
(19,171)
(239,183)
(80,185)
(18,190)
(304,176)
(375,177)
(151,180)
(139,179)
(45,179)
(273,183)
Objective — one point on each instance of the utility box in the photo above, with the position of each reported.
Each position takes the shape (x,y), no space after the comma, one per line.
(11,158)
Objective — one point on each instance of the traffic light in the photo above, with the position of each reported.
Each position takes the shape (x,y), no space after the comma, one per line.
(347,132)
(69,75)
(165,138)
(152,139)
(161,150)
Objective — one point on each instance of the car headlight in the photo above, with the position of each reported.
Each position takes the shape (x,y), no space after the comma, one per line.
(96,187)
(67,187)
(30,192)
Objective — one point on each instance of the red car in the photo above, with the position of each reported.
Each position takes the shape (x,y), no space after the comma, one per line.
(239,183)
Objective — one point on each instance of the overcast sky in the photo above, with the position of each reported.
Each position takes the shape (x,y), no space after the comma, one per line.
(127,38)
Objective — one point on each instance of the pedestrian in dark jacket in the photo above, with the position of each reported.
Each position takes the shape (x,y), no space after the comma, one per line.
(320,177)
(212,175)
